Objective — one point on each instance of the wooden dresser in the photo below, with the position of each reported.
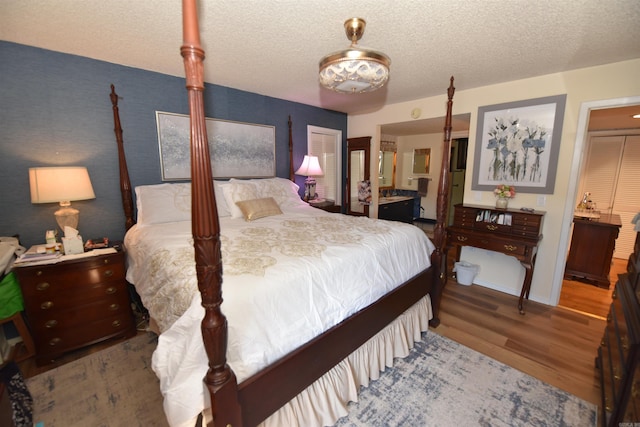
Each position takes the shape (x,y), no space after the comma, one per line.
(75,303)
(618,356)
(592,244)
(509,231)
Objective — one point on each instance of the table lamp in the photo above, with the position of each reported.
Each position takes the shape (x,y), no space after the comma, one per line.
(61,185)
(310,168)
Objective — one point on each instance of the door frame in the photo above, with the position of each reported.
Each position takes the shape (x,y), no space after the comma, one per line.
(582,134)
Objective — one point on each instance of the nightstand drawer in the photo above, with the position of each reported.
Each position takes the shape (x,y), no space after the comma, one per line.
(60,340)
(57,317)
(63,277)
(57,297)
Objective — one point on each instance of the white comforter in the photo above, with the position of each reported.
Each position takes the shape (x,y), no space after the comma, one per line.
(287,278)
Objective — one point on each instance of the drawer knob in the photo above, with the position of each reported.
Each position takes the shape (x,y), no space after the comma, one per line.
(114,307)
(46,305)
(492,227)
(106,261)
(461,238)
(51,324)
(108,273)
(42,286)
(115,323)
(39,273)
(54,342)
(111,290)
(510,248)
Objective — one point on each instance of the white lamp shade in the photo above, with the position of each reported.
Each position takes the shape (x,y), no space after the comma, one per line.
(58,184)
(310,167)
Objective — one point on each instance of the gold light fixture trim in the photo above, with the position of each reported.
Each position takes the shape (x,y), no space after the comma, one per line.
(356,69)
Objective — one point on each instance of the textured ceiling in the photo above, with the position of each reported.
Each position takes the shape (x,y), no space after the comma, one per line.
(273,47)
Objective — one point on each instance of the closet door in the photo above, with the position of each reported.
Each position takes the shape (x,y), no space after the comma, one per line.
(601,170)
(627,195)
(612,175)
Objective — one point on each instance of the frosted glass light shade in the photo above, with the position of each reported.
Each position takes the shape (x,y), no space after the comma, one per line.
(355,69)
(61,185)
(348,75)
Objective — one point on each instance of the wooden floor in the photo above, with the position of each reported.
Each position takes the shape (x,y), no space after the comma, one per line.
(554,344)
(557,345)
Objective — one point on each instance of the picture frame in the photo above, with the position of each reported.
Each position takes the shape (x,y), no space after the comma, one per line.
(517,143)
(237,149)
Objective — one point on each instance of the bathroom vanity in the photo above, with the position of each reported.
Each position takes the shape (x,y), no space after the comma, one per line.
(396,208)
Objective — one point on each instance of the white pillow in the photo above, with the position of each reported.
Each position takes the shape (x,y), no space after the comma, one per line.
(162,203)
(238,191)
(221,203)
(283,191)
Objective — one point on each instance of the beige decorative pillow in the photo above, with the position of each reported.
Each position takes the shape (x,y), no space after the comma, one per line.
(259,208)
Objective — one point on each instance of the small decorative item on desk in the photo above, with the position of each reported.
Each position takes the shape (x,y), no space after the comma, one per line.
(99,243)
(503,193)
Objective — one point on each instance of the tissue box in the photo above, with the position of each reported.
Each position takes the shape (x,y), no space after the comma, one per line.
(73,245)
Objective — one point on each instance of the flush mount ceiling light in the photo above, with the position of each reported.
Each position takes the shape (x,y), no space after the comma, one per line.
(356,69)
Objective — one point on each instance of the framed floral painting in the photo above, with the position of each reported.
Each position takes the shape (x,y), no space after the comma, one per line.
(517,143)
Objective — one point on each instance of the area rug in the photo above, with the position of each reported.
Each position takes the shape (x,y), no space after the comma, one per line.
(442,383)
(112,388)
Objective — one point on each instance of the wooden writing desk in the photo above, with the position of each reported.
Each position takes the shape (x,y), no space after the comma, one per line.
(510,231)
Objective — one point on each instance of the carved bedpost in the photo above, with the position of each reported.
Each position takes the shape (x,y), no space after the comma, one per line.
(439,234)
(220,379)
(125,182)
(291,177)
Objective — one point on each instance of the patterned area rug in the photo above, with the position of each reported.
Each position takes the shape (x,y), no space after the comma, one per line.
(442,383)
(112,388)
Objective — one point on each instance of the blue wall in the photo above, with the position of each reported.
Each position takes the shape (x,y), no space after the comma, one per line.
(55,110)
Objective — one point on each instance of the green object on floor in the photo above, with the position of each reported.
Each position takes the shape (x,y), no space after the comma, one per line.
(11,300)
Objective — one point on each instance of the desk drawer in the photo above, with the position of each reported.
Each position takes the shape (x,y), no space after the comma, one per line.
(491,243)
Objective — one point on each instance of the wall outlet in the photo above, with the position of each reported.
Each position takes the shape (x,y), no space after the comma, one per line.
(542,200)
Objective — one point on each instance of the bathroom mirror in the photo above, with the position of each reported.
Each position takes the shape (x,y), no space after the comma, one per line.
(387,170)
(421,159)
(358,170)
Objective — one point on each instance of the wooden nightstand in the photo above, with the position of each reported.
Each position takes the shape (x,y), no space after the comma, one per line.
(325,205)
(74,303)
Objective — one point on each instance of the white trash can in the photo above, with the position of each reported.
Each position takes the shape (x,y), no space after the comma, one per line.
(465,272)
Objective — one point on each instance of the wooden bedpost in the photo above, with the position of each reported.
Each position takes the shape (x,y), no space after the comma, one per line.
(220,379)
(439,234)
(291,174)
(125,182)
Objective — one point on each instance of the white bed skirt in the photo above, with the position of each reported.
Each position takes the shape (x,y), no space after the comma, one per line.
(325,401)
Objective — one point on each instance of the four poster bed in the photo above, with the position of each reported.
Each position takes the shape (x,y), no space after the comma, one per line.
(315,304)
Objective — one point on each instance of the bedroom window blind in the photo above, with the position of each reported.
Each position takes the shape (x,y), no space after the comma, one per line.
(326,145)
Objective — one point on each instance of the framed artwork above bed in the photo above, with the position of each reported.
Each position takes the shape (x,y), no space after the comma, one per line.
(237,150)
